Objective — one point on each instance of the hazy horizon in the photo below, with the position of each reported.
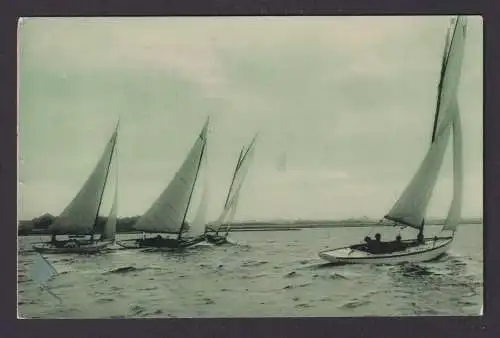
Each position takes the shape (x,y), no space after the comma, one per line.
(350,100)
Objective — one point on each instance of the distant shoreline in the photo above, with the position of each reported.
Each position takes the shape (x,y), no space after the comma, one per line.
(39,226)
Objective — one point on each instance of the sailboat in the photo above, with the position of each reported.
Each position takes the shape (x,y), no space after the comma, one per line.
(167,215)
(410,208)
(227,214)
(79,219)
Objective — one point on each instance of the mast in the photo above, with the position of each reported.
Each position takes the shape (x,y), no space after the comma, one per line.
(238,163)
(115,135)
(195,179)
(444,67)
(80,215)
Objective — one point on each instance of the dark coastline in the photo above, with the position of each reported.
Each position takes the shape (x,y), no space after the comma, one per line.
(39,225)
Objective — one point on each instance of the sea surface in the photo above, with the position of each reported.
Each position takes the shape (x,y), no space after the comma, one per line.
(261,274)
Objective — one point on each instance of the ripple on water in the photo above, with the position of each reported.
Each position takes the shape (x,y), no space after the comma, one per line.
(253,263)
(105,300)
(355,304)
(137,310)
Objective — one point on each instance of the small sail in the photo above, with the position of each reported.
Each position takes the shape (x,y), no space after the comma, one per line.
(168,212)
(231,187)
(42,271)
(109,233)
(242,170)
(236,184)
(80,214)
(454,214)
(411,207)
(198,225)
(450,73)
(232,212)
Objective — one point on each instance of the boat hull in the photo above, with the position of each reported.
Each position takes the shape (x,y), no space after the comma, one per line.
(216,239)
(90,248)
(171,245)
(429,250)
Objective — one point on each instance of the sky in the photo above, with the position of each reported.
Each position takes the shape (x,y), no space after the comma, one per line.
(350,100)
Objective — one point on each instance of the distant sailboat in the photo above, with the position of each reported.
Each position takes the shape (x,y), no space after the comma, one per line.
(227,214)
(410,209)
(282,162)
(167,215)
(42,272)
(79,218)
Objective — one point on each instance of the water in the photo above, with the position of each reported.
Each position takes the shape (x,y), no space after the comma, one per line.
(263,274)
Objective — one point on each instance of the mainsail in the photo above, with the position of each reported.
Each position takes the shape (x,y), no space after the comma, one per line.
(410,209)
(79,217)
(239,175)
(167,214)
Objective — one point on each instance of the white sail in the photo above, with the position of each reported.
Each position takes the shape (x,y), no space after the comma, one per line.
(109,232)
(230,216)
(239,177)
(80,214)
(42,271)
(454,214)
(411,207)
(450,72)
(240,173)
(168,212)
(197,227)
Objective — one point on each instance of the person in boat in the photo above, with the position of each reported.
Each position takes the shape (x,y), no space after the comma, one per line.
(379,246)
(435,239)
(398,244)
(373,246)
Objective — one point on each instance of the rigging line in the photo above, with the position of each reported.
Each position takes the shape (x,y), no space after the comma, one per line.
(444,66)
(115,136)
(192,187)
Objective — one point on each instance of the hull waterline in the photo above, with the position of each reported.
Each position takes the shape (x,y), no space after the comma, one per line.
(428,251)
(216,239)
(49,248)
(162,246)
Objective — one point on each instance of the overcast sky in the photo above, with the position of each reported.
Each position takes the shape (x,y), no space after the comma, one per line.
(349,99)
